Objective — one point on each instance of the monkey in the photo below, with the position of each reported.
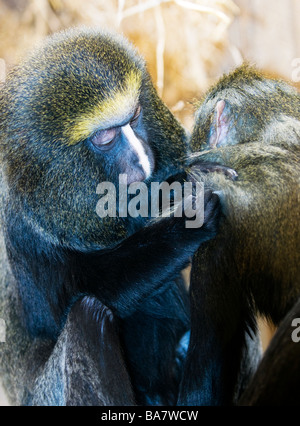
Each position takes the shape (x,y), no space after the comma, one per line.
(94,306)
(250,123)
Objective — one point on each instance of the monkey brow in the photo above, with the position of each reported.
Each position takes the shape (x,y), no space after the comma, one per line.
(112,112)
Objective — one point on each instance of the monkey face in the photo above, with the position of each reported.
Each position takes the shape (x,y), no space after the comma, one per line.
(79,111)
(126,149)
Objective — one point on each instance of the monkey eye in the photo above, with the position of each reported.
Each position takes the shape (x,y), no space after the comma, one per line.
(104,139)
(135,118)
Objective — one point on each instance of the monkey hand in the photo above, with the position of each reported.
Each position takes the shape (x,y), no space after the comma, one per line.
(199,219)
(147,259)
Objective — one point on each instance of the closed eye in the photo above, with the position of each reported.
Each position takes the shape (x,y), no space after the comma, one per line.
(104,139)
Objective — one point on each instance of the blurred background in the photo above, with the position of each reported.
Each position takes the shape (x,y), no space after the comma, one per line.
(188,44)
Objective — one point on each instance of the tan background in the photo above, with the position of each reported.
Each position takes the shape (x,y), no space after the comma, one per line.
(188,43)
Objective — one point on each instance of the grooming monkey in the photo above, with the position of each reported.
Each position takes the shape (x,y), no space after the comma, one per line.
(251,124)
(94,308)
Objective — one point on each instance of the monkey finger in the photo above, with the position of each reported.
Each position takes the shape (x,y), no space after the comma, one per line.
(207,167)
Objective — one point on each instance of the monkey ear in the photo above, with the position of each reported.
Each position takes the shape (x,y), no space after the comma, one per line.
(220,125)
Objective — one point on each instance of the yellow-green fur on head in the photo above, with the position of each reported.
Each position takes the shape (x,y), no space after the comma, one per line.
(252,101)
(79,82)
(117,108)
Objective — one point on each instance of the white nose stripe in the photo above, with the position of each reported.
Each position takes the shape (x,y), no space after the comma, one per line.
(139,149)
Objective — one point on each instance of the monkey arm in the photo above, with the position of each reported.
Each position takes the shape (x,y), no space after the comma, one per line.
(124,276)
(223,334)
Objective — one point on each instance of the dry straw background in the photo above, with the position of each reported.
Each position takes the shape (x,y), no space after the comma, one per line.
(188,44)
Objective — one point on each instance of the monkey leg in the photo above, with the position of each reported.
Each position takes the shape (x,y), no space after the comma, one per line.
(276,381)
(156,368)
(86,366)
(224,349)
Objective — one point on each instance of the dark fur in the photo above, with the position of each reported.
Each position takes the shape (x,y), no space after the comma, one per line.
(93,313)
(253,265)
(276,381)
